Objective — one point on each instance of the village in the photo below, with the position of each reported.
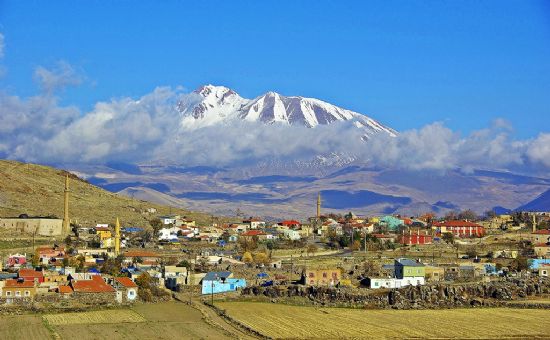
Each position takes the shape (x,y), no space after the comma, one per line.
(113,263)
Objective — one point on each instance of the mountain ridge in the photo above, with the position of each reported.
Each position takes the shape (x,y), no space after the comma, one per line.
(219,104)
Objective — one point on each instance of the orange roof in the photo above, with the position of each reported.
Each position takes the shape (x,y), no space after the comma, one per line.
(19,284)
(102,229)
(30,273)
(95,285)
(542,232)
(253,233)
(290,222)
(140,253)
(126,282)
(64,290)
(541,245)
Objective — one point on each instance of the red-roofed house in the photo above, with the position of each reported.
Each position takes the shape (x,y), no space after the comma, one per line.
(459,228)
(290,223)
(64,290)
(95,285)
(251,234)
(128,288)
(18,289)
(31,275)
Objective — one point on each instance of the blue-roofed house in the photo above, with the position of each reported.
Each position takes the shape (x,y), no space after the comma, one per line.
(391,222)
(221,282)
(535,264)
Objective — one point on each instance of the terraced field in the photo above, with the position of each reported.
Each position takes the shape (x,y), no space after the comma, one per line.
(294,322)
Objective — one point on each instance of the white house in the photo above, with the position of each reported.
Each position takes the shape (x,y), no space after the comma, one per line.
(167,234)
(127,290)
(291,234)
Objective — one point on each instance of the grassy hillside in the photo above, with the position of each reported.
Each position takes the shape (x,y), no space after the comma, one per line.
(37,190)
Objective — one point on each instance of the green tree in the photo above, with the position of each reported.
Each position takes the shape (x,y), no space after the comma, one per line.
(449,238)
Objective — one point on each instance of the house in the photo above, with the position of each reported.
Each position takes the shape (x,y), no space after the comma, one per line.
(127,290)
(406,273)
(256,234)
(291,234)
(174,276)
(221,282)
(544,270)
(17,260)
(95,285)
(322,277)
(146,257)
(51,255)
(19,289)
(542,250)
(416,238)
(535,264)
(103,231)
(459,228)
(31,275)
(411,271)
(385,237)
(171,219)
(391,222)
(255,223)
(290,224)
(168,234)
(434,273)
(540,236)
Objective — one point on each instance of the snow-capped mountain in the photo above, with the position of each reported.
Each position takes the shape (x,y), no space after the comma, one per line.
(219,104)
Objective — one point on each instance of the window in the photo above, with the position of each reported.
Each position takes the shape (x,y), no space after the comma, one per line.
(325,274)
(17,293)
(8,293)
(334,275)
(311,274)
(376,284)
(27,293)
(311,282)
(131,293)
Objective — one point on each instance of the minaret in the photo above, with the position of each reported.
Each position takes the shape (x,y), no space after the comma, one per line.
(534,222)
(66,221)
(319,205)
(117,237)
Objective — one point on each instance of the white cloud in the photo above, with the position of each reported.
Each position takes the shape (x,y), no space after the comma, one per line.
(148,130)
(60,76)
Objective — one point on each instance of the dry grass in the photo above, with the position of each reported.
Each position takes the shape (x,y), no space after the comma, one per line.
(94,317)
(170,320)
(38,191)
(23,327)
(293,322)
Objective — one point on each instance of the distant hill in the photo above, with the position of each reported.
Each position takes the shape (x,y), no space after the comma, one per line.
(37,190)
(541,203)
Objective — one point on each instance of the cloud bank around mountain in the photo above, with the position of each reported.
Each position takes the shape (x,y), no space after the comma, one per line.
(148,130)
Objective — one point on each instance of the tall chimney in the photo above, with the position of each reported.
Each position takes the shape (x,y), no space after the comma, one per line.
(117,237)
(66,220)
(319,205)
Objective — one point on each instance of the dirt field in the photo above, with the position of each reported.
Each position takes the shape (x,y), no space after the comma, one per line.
(292,322)
(171,320)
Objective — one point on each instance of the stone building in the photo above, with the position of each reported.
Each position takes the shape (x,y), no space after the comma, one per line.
(39,225)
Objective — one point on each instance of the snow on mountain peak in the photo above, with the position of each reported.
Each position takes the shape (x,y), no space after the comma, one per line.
(219,104)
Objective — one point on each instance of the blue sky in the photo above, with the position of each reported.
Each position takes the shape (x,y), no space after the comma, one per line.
(405,63)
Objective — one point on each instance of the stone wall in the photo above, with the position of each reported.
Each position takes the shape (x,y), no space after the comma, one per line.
(430,296)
